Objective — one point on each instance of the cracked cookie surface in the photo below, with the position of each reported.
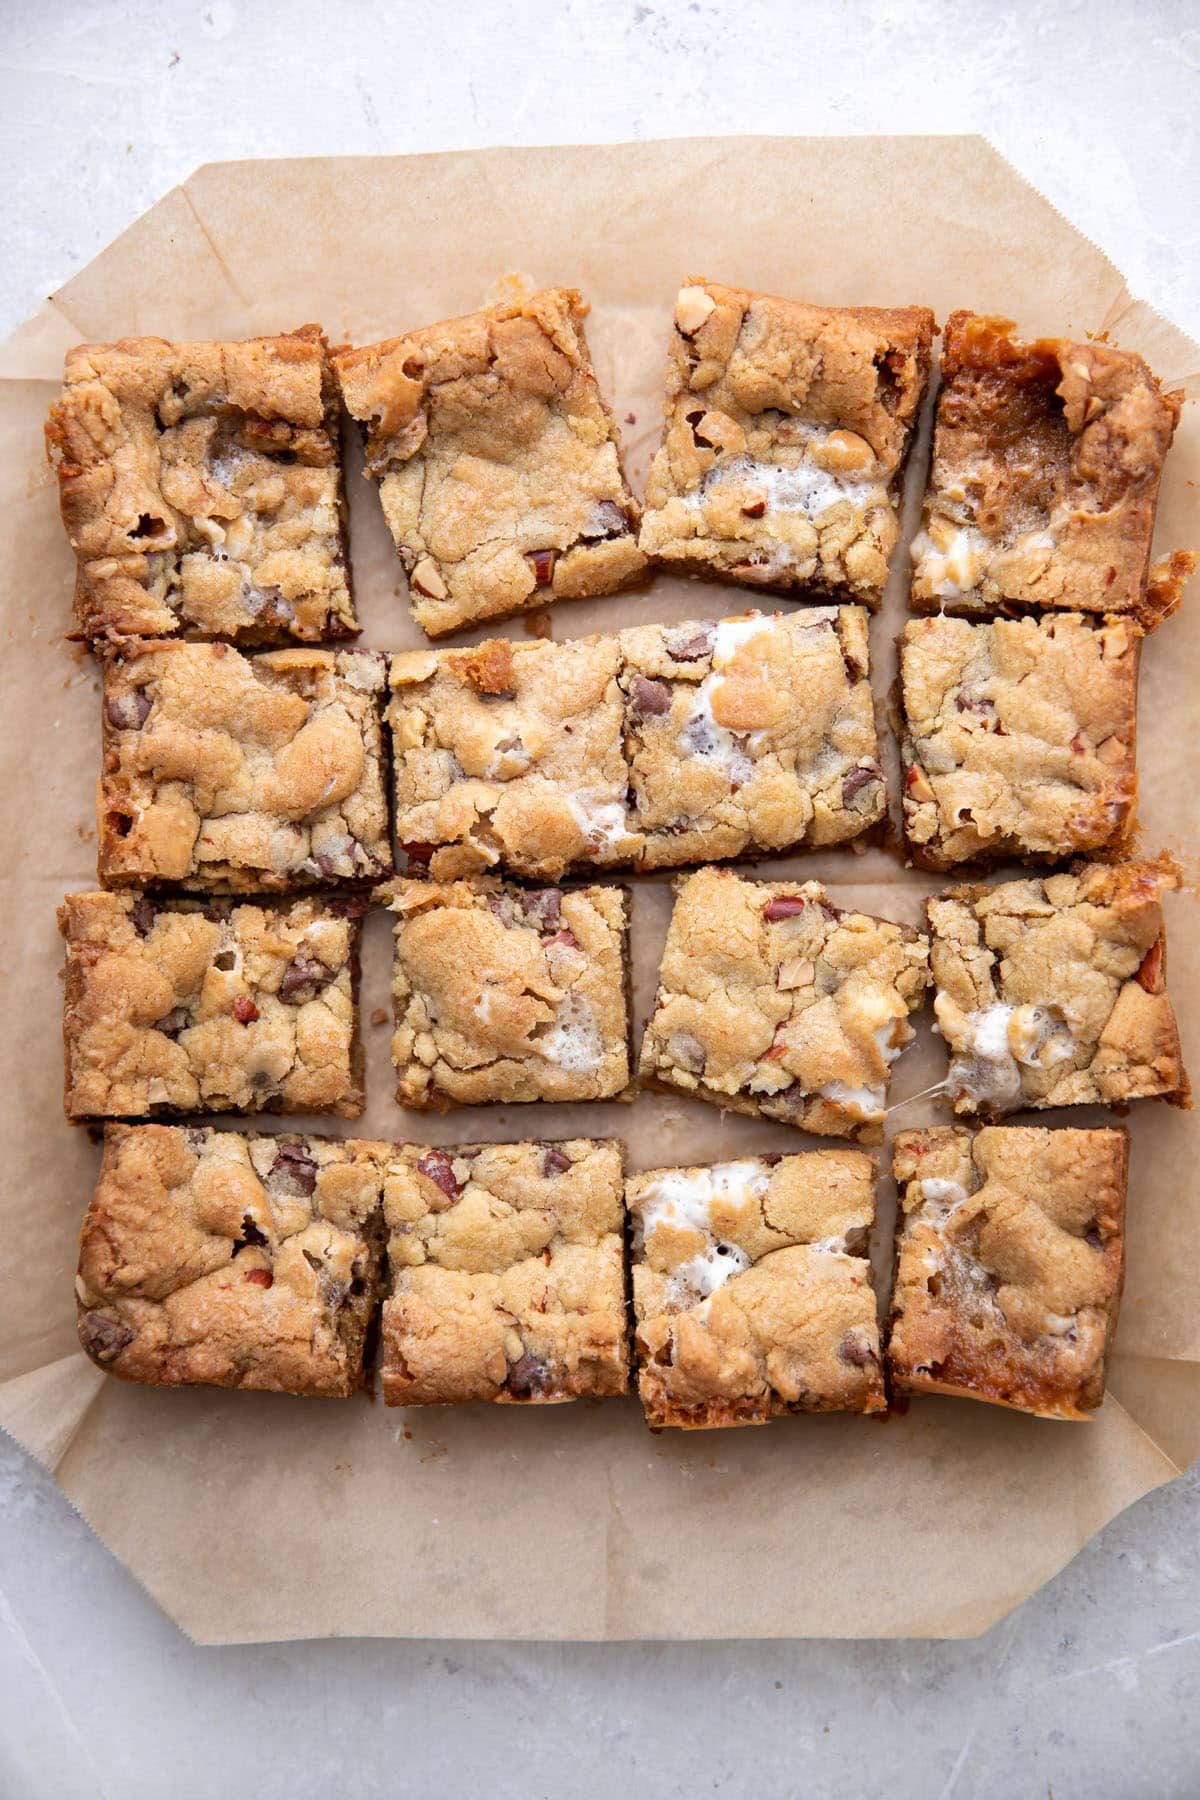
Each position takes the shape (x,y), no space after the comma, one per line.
(786,428)
(211,1258)
(659,746)
(1044,482)
(201,489)
(772,1002)
(752,1289)
(497,461)
(508,994)
(237,773)
(1019,738)
(178,1007)
(506,1278)
(1010,1264)
(1052,991)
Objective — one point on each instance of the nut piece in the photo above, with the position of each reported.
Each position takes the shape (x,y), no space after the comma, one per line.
(426,578)
(843,453)
(692,308)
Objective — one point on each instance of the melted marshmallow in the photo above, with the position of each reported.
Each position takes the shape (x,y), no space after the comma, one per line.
(685,1201)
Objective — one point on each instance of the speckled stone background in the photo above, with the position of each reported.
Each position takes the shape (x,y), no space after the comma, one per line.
(1091,1689)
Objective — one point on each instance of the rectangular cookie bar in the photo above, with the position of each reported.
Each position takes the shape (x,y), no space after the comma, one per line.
(1044,482)
(201,489)
(215,1259)
(786,431)
(497,461)
(1019,738)
(752,1289)
(772,1002)
(660,746)
(1010,1265)
(506,1279)
(238,773)
(1052,991)
(507,994)
(178,1006)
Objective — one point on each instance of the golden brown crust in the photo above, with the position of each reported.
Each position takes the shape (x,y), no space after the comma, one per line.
(507,994)
(772,1002)
(178,1007)
(1010,1264)
(497,461)
(506,1274)
(661,746)
(752,1289)
(211,1258)
(1019,738)
(786,427)
(237,773)
(1046,464)
(201,489)
(1052,991)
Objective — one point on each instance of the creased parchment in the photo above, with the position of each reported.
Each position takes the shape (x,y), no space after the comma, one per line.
(257,1517)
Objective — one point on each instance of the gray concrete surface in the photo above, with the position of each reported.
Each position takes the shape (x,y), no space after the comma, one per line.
(1091,1688)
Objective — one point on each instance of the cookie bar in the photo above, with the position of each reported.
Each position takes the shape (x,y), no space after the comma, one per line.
(1010,1264)
(786,431)
(497,461)
(1052,991)
(773,1002)
(508,994)
(201,489)
(238,773)
(215,1259)
(752,1289)
(176,1007)
(1018,738)
(1044,482)
(663,745)
(506,1279)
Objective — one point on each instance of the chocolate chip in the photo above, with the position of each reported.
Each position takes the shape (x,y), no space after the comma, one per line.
(418,854)
(651,699)
(567,938)
(784,906)
(142,915)
(554,1162)
(250,1232)
(103,1338)
(607,520)
(303,977)
(128,712)
(865,775)
(544,907)
(438,1167)
(978,705)
(690,644)
(1093,1238)
(854,1351)
(172,1023)
(528,1375)
(293,1172)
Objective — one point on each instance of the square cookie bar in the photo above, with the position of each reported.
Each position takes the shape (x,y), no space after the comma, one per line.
(661,746)
(1019,738)
(507,994)
(215,1259)
(752,1289)
(1044,482)
(506,1279)
(786,430)
(237,773)
(176,1007)
(773,1002)
(201,489)
(497,461)
(1010,1265)
(1052,991)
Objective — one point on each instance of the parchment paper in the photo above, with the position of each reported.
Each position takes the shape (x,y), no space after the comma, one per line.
(253,1517)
